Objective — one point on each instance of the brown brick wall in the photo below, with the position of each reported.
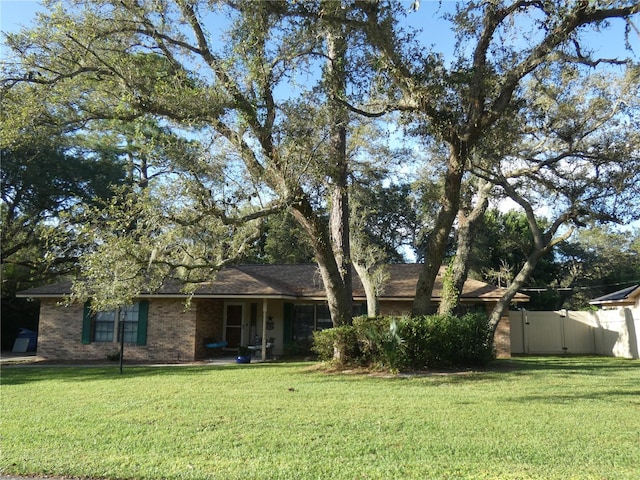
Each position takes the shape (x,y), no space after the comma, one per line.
(209,324)
(170,335)
(502,338)
(60,332)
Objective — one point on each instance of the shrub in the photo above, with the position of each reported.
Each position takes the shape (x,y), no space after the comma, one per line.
(403,343)
(445,341)
(338,344)
(380,342)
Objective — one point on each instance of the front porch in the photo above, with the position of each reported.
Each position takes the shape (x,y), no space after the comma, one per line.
(224,325)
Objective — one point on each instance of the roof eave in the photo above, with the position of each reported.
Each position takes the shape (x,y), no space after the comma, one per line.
(614,303)
(177,296)
(247,296)
(43,295)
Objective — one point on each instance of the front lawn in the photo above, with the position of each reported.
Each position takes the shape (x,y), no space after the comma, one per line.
(546,418)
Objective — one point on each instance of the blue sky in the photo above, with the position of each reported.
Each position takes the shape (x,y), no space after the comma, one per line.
(17,12)
(14,13)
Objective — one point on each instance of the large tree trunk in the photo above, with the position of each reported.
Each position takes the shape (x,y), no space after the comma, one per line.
(338,296)
(438,238)
(339,228)
(543,243)
(503,304)
(460,268)
(335,77)
(370,290)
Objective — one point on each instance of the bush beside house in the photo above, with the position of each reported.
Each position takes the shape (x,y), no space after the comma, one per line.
(404,343)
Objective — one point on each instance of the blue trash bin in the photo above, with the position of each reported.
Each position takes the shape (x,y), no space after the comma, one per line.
(32,336)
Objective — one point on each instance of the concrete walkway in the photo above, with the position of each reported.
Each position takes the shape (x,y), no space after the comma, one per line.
(11,358)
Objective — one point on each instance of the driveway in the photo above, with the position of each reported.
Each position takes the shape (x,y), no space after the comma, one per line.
(8,357)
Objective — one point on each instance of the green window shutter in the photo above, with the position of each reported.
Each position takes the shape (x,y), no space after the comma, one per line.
(287,334)
(143,315)
(87,323)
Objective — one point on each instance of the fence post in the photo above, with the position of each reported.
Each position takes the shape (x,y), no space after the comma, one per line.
(563,335)
(525,331)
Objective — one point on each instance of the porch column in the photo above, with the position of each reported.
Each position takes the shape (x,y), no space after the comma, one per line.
(264,329)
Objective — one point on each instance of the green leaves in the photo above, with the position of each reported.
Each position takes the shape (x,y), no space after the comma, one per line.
(142,239)
(408,344)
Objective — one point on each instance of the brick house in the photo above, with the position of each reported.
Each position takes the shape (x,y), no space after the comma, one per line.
(284,304)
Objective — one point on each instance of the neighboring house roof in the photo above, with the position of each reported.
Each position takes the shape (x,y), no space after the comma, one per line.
(298,282)
(626,296)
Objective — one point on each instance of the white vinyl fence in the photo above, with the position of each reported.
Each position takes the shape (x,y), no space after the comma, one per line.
(604,332)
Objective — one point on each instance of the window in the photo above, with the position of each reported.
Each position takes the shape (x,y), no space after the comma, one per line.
(323,317)
(303,323)
(359,309)
(103,327)
(308,318)
(107,324)
(302,319)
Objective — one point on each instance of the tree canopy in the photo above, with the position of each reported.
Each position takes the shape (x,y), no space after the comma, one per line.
(228,112)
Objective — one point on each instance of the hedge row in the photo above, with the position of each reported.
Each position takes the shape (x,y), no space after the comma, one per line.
(404,343)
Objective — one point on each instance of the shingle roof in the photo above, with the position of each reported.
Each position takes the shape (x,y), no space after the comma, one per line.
(297,281)
(624,296)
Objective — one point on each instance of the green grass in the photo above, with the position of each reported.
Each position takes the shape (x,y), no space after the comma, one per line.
(546,418)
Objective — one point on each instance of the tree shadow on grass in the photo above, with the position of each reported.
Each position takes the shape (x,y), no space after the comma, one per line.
(501,369)
(583,365)
(23,374)
(609,378)
(568,397)
(498,370)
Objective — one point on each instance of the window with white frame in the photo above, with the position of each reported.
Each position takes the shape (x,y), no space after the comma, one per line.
(104,327)
(107,324)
